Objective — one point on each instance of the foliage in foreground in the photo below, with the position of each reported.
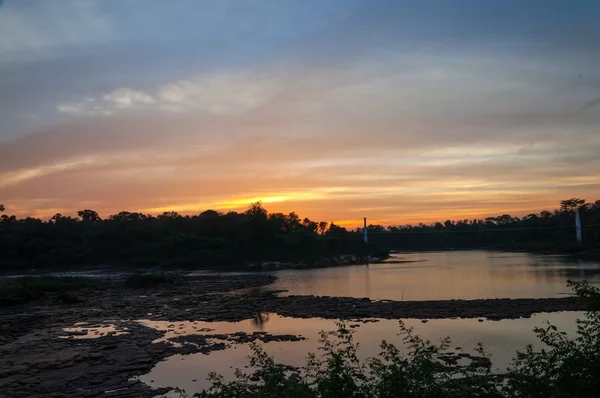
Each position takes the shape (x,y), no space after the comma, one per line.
(567,368)
(28,288)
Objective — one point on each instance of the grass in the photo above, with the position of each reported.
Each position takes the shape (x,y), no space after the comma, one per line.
(140,281)
(29,288)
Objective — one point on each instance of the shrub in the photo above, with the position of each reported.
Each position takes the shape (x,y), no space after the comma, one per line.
(568,368)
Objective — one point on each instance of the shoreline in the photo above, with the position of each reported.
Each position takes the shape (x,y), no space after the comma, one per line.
(35,361)
(261,266)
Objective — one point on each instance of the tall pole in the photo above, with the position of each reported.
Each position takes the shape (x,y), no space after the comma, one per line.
(578,226)
(365,231)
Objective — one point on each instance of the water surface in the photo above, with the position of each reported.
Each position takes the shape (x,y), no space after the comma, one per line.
(445,275)
(501,339)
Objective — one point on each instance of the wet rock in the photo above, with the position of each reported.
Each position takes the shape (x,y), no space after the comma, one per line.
(76,333)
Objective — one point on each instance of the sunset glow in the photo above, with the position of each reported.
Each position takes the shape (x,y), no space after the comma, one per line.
(337,110)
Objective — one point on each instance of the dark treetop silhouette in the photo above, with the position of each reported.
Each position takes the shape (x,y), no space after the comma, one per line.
(547,231)
(211,240)
(217,240)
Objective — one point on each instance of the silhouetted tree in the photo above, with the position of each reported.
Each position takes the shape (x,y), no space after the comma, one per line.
(322,227)
(88,215)
(212,239)
(169,215)
(213,214)
(570,205)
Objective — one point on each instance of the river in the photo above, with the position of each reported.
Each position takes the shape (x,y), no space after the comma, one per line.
(444,276)
(405,276)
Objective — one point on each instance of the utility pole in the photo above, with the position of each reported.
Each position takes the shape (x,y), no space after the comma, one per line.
(577,226)
(365,231)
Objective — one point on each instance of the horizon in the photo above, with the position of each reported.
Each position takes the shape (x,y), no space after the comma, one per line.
(395,110)
(348,224)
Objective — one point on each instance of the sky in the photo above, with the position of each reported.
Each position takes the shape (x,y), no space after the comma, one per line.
(401,111)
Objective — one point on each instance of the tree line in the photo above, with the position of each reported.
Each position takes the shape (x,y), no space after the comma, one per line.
(545,231)
(212,239)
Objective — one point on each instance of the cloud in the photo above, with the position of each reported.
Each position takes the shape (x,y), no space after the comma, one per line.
(121,99)
(88,106)
(364,117)
(125,97)
(225,92)
(593,103)
(36,28)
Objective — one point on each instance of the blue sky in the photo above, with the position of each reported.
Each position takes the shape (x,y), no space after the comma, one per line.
(333,108)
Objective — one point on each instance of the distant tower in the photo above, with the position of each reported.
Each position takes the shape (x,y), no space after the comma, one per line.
(365,231)
(578,226)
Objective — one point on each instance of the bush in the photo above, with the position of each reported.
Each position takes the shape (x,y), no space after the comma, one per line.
(566,369)
(138,281)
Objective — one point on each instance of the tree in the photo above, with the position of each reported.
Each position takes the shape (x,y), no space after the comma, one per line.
(257,210)
(88,215)
(210,214)
(1,208)
(310,225)
(376,228)
(322,227)
(293,219)
(169,215)
(56,218)
(336,229)
(570,205)
(128,216)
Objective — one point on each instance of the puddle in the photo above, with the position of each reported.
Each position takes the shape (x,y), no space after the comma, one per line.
(173,330)
(83,330)
(500,338)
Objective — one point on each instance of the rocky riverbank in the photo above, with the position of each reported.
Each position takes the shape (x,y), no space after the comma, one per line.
(323,262)
(38,358)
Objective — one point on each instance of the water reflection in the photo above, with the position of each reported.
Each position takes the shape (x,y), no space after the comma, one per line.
(445,275)
(501,338)
(260,319)
(83,330)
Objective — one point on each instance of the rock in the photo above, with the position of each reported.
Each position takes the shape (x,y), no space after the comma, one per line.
(76,332)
